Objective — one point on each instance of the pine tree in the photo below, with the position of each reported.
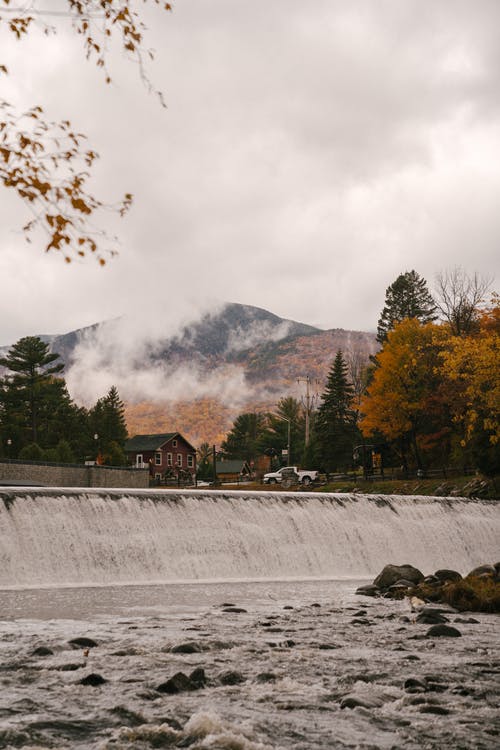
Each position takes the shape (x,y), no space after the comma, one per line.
(25,391)
(336,430)
(107,421)
(243,439)
(407,297)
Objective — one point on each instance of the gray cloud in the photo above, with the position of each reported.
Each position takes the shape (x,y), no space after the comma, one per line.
(310,153)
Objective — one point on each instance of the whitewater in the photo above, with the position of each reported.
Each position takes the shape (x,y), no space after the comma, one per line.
(256,590)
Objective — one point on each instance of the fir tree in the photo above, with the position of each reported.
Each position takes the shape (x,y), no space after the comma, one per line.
(407,297)
(336,430)
(107,421)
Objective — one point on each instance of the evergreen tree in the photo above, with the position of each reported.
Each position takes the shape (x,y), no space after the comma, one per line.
(335,424)
(289,419)
(407,297)
(107,421)
(244,438)
(26,390)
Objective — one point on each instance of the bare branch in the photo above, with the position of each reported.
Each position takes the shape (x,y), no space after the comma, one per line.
(460,297)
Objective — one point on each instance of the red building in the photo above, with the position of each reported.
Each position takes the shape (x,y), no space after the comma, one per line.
(167,455)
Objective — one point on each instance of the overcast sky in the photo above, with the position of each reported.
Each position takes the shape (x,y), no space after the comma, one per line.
(310,152)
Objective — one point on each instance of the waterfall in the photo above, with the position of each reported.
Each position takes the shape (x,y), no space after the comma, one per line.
(51,537)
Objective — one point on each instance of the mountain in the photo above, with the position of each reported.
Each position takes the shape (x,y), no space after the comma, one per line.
(197,376)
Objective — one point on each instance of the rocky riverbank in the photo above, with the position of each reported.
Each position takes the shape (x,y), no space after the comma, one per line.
(478,591)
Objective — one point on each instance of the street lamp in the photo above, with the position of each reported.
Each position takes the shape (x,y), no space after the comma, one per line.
(9,445)
(289,421)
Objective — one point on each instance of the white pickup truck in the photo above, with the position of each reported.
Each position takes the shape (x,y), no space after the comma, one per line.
(306,476)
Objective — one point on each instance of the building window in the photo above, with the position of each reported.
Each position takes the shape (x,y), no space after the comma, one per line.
(190,460)
(174,443)
(139,460)
(169,459)
(157,459)
(179,459)
(158,477)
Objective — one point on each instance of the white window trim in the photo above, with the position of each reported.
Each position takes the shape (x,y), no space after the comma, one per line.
(158,458)
(190,461)
(179,460)
(139,460)
(169,459)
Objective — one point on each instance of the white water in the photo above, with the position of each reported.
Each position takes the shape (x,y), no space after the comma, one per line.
(61,537)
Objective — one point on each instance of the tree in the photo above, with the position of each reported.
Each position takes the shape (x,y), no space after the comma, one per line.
(470,365)
(336,428)
(407,297)
(288,420)
(244,437)
(45,162)
(27,389)
(459,299)
(406,401)
(107,421)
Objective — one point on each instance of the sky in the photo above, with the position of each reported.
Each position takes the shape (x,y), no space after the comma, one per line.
(309,153)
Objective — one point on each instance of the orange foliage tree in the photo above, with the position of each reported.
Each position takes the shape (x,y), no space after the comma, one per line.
(405,401)
(47,163)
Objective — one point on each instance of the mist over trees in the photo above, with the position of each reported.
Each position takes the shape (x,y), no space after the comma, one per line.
(39,420)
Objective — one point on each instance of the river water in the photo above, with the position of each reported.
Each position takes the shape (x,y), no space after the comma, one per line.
(258,591)
(306,665)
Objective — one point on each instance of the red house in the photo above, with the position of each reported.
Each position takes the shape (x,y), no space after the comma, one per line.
(168,455)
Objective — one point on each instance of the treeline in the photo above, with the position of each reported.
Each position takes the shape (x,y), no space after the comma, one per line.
(429,398)
(40,422)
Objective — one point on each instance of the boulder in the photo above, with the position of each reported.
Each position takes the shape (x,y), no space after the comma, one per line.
(483,571)
(82,642)
(368,590)
(42,651)
(178,683)
(190,647)
(443,631)
(391,574)
(92,679)
(448,575)
(231,677)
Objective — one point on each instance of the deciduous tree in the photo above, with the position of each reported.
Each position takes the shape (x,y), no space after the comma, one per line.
(47,163)
(459,299)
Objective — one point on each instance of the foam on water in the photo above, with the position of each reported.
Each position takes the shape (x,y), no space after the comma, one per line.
(73,537)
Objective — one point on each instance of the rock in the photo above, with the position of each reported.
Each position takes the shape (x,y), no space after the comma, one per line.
(236,610)
(82,642)
(232,677)
(431,708)
(178,683)
(71,667)
(467,620)
(443,631)
(353,701)
(198,677)
(483,571)
(92,679)
(266,677)
(360,613)
(431,618)
(190,647)
(42,651)
(368,590)
(391,574)
(447,575)
(412,685)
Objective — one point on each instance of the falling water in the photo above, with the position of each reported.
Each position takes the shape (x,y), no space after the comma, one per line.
(51,537)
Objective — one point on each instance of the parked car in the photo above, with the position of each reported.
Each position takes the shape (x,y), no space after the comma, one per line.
(304,476)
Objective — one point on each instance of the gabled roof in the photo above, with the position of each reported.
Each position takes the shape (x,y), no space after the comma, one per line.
(152,442)
(235,466)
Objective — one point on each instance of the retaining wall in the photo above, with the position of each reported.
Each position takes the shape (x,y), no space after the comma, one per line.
(71,475)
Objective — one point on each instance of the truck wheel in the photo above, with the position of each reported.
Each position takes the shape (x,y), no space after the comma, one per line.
(306,481)
(272,481)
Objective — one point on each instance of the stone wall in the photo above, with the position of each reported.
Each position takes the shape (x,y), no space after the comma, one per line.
(71,475)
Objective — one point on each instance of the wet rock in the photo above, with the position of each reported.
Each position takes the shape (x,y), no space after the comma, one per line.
(443,631)
(467,620)
(126,717)
(483,571)
(360,621)
(235,610)
(315,604)
(198,677)
(94,680)
(232,677)
(178,683)
(447,575)
(431,618)
(353,701)
(83,642)
(266,677)
(71,667)
(431,708)
(328,646)
(360,613)
(287,606)
(391,574)
(412,685)
(368,590)
(190,647)
(42,651)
